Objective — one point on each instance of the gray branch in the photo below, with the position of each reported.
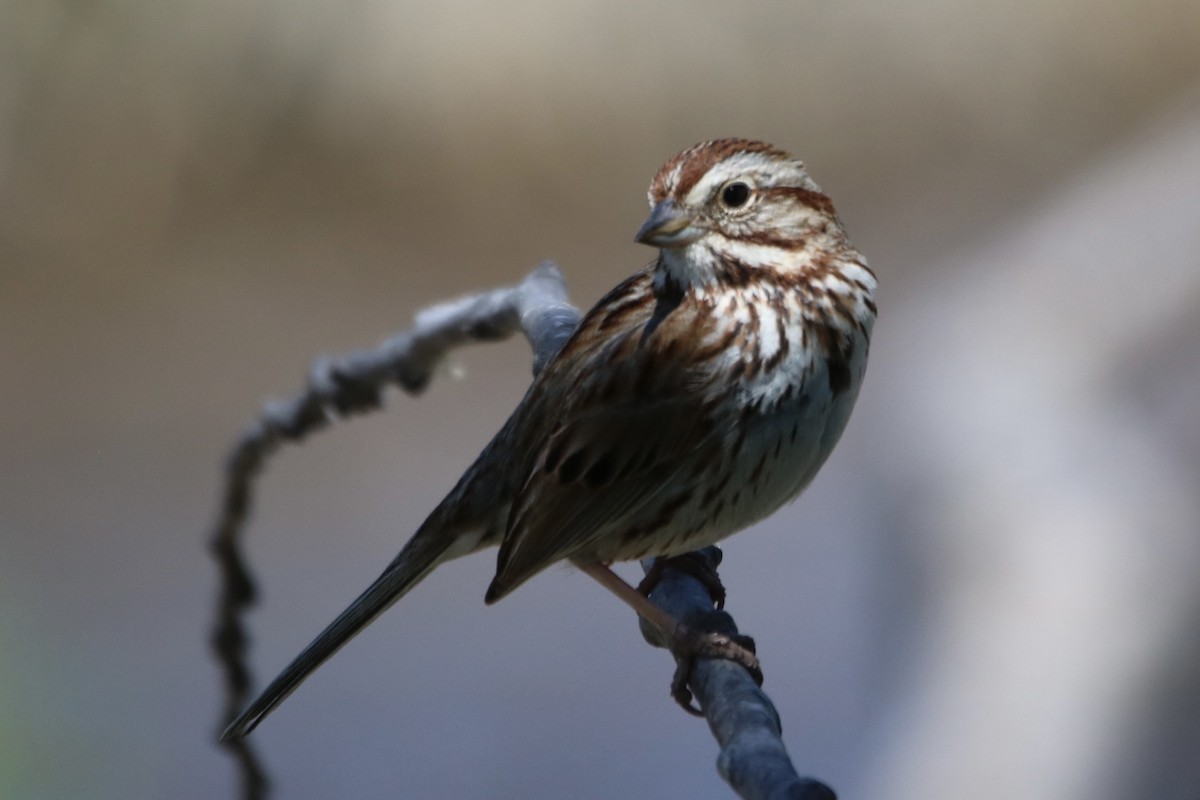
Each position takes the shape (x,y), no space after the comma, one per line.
(741,717)
(743,720)
(343,386)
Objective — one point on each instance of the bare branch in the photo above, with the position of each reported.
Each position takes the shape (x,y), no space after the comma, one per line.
(354,384)
(743,720)
(753,759)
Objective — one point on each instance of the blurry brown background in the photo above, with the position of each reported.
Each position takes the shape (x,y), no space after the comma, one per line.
(993,590)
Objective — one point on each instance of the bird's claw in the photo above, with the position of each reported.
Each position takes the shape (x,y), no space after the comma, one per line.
(736,648)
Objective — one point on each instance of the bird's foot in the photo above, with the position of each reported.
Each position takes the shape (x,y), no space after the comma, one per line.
(693,644)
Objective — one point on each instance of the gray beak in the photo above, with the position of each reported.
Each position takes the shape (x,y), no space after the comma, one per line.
(668,226)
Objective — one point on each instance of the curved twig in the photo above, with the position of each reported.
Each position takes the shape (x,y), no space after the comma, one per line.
(743,720)
(344,386)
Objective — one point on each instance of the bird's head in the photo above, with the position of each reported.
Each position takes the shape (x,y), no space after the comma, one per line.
(735,201)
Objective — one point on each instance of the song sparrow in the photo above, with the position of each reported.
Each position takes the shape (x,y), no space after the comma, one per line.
(694,399)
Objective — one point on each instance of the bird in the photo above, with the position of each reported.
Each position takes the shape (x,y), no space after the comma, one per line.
(694,399)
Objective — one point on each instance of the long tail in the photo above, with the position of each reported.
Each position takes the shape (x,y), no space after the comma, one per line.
(427,549)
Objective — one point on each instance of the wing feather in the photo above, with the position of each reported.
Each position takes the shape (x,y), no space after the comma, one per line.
(609,448)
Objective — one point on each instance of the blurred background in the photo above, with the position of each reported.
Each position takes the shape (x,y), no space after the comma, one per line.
(992,590)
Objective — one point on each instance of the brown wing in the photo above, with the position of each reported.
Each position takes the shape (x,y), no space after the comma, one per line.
(620,418)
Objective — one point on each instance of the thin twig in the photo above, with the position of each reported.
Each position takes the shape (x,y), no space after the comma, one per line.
(349,385)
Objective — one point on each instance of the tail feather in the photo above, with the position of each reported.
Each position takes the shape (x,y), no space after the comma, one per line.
(424,551)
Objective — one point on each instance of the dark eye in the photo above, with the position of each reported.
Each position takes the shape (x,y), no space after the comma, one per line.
(735,194)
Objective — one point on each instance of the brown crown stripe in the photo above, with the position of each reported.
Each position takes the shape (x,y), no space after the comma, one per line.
(698,160)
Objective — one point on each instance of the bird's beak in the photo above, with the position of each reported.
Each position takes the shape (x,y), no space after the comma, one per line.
(668,226)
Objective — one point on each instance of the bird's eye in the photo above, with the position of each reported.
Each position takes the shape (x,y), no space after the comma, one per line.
(735,195)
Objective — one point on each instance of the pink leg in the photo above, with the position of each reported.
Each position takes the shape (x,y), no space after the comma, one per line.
(668,626)
(685,644)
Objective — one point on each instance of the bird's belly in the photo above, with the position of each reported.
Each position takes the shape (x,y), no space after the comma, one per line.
(780,456)
(770,456)
(780,453)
